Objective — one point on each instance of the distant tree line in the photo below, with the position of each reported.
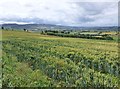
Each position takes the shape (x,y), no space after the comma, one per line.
(3,28)
(87,36)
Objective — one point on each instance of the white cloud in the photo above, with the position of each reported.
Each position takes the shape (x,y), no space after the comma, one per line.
(64,12)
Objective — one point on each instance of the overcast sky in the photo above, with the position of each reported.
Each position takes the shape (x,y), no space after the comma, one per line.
(61,12)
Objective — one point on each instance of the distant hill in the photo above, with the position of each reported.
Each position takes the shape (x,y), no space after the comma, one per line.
(53,27)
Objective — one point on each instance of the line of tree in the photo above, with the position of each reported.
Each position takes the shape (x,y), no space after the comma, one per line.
(87,36)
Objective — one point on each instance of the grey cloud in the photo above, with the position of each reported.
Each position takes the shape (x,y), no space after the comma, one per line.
(94,8)
(74,13)
(31,20)
(28,20)
(85,19)
(95,12)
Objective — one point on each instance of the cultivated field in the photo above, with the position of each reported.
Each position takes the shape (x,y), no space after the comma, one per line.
(32,59)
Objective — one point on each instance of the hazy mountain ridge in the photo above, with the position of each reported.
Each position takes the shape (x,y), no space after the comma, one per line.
(53,27)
